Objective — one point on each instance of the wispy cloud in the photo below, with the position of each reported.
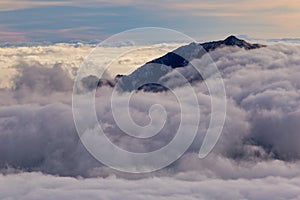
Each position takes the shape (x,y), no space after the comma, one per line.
(8,35)
(7,5)
(215,18)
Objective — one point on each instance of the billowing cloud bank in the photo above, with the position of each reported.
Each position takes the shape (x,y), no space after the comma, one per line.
(257,156)
(35,186)
(71,56)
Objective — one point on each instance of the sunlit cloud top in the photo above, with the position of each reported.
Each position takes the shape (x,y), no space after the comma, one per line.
(64,20)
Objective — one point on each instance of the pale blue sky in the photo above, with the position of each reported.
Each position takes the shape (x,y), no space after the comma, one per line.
(65,20)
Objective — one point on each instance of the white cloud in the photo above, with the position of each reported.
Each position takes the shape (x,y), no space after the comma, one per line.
(34,186)
(71,56)
(257,156)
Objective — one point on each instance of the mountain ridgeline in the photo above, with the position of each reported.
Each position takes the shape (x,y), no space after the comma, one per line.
(151,75)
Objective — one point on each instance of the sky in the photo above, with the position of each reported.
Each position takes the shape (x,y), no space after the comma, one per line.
(41,155)
(66,20)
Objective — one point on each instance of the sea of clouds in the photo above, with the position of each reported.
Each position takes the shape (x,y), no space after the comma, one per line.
(256,157)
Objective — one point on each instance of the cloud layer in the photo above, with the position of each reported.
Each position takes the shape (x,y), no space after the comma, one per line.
(257,156)
(34,186)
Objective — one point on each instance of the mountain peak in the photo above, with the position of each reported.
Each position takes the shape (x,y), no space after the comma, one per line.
(149,73)
(232,39)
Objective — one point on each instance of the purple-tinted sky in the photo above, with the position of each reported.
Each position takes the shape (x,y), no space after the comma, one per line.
(65,20)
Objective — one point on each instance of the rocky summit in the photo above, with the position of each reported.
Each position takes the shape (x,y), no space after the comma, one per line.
(148,76)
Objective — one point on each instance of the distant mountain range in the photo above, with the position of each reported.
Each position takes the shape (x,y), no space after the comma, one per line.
(147,77)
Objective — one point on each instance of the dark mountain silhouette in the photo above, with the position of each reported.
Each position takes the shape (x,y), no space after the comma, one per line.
(147,77)
(177,59)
